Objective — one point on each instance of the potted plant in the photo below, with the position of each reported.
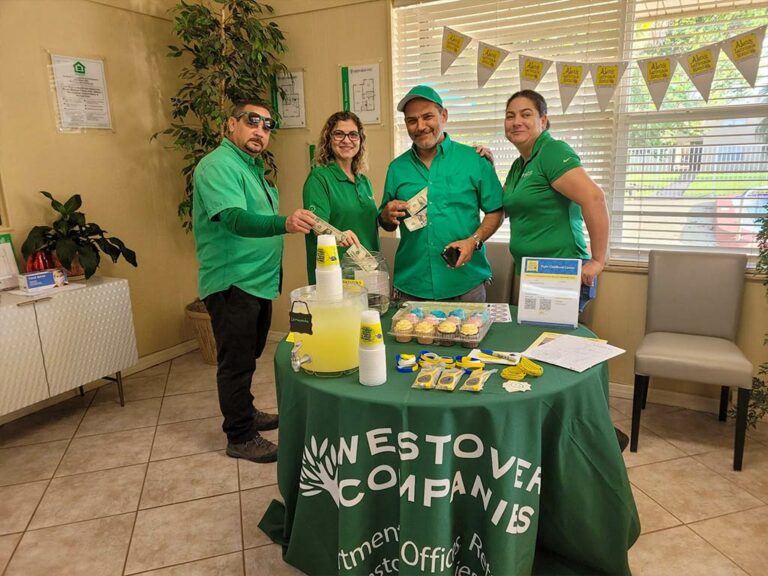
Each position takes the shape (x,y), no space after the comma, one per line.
(72,240)
(758,401)
(233,53)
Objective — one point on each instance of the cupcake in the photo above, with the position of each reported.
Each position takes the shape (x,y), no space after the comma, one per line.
(432,319)
(403,330)
(425,332)
(446,332)
(469,335)
(412,318)
(459,313)
(476,319)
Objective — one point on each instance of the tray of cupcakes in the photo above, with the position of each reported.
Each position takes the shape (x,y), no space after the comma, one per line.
(441,323)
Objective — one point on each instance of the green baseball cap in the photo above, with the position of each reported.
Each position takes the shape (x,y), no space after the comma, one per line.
(420,91)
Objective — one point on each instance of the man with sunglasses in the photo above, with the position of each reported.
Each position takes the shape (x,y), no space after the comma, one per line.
(239,241)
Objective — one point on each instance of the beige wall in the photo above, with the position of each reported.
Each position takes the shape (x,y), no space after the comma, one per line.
(129,185)
(322,36)
(619,316)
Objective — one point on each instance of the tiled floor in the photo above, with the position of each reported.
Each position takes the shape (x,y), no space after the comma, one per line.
(90,488)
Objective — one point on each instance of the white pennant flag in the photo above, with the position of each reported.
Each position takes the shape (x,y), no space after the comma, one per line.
(532,70)
(454,43)
(744,51)
(657,73)
(700,66)
(606,78)
(489,58)
(570,75)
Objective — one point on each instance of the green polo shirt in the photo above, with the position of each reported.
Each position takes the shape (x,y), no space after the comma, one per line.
(347,205)
(543,223)
(460,183)
(230,178)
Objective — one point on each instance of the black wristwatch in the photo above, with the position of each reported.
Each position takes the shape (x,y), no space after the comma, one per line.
(478,242)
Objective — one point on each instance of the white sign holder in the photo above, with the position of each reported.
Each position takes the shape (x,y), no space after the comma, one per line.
(549,291)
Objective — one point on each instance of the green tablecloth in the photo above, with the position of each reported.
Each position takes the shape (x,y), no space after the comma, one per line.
(395,480)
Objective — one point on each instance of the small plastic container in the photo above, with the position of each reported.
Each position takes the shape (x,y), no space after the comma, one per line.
(451,316)
(377,282)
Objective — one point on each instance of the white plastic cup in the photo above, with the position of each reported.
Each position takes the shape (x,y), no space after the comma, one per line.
(371,352)
(328,269)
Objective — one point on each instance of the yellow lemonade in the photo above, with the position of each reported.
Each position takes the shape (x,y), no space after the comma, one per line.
(333,344)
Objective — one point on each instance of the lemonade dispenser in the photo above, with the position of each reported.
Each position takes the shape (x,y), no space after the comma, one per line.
(327,332)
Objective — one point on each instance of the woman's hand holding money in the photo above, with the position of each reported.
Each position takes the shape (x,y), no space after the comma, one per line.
(350,239)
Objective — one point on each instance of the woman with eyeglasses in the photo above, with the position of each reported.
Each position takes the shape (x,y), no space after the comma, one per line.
(337,191)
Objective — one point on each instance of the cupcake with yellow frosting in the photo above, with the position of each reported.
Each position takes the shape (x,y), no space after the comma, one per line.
(425,332)
(469,335)
(446,332)
(403,331)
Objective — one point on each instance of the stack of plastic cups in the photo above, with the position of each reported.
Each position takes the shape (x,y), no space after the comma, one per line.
(328,269)
(371,353)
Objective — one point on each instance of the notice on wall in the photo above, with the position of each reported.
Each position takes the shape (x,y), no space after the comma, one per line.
(290,100)
(9,270)
(81,93)
(361,92)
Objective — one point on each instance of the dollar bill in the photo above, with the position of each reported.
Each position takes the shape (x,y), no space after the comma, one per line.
(416,222)
(322,227)
(417,203)
(363,258)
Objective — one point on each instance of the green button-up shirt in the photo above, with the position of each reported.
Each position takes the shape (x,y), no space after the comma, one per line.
(230,178)
(543,223)
(460,183)
(347,205)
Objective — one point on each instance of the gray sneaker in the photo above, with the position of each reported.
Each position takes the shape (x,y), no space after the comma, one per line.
(257,450)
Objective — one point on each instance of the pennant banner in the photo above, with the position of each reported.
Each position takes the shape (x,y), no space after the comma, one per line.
(606,78)
(532,70)
(454,43)
(657,73)
(744,51)
(700,66)
(489,58)
(570,75)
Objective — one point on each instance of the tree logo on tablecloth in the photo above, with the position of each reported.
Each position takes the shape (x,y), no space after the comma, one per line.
(319,470)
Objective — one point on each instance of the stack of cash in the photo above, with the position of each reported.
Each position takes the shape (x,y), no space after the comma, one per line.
(359,254)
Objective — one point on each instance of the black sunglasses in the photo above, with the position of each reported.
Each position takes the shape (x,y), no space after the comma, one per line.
(253,119)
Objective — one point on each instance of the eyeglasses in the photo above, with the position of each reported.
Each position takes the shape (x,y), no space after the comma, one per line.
(339,136)
(253,119)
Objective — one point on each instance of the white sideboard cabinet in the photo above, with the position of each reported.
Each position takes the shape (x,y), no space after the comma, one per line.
(57,344)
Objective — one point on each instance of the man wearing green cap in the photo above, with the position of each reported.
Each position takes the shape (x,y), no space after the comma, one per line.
(458,183)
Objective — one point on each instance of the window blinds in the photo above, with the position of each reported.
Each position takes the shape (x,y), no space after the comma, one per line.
(687,176)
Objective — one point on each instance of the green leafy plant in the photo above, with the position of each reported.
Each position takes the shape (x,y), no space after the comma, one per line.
(71,236)
(233,54)
(758,401)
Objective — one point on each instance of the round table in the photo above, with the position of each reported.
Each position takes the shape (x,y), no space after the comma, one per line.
(396,480)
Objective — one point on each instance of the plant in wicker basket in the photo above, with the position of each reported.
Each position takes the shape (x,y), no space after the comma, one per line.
(233,54)
(758,402)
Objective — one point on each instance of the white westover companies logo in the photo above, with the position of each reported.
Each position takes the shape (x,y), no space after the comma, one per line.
(321,463)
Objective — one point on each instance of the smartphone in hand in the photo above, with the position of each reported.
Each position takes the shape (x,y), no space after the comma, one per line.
(451,256)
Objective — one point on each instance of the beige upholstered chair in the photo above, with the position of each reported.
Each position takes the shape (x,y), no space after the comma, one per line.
(692,315)
(498,255)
